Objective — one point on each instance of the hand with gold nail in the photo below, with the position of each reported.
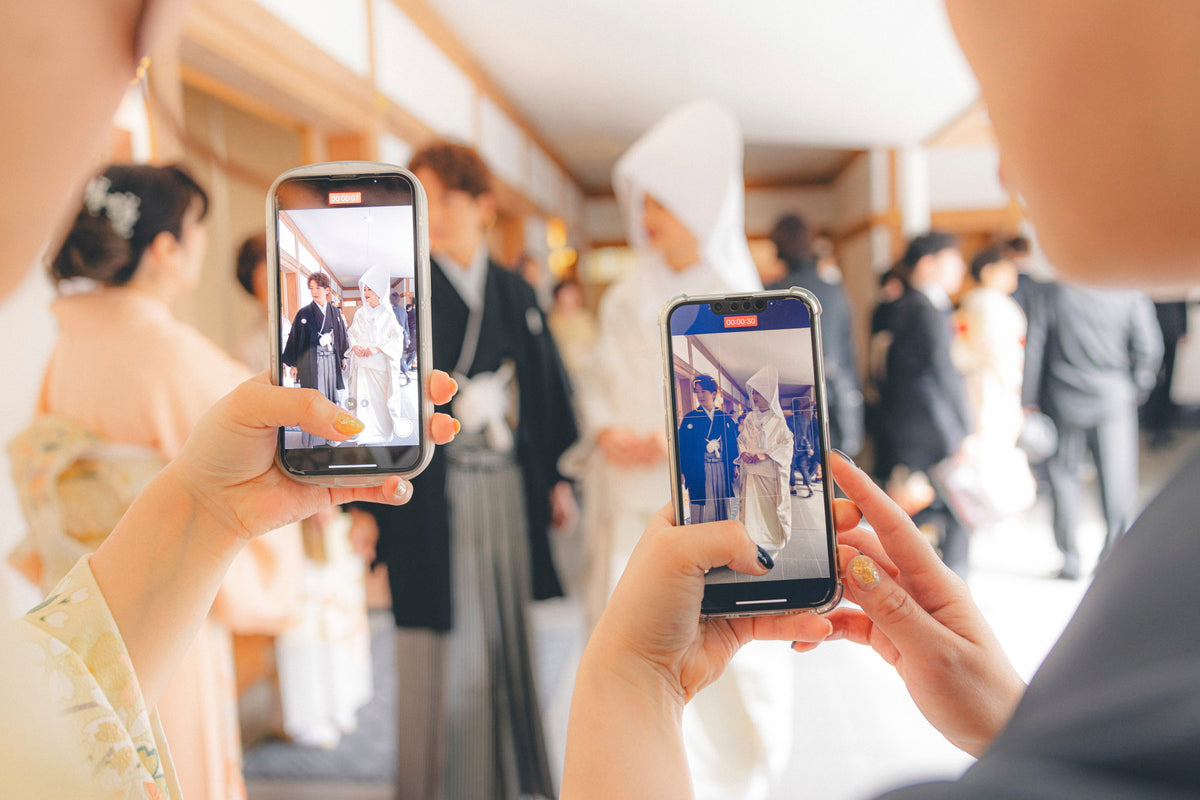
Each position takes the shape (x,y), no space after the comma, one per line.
(160,568)
(229,461)
(918,615)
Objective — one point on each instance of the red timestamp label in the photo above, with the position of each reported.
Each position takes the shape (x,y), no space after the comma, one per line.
(745,321)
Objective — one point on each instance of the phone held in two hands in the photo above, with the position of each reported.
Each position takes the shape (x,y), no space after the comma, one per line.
(348,262)
(748,440)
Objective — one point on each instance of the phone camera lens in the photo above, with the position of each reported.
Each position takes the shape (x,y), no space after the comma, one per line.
(760,304)
(718,307)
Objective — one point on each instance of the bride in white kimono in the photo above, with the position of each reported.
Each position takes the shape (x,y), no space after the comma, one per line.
(681,193)
(765,444)
(376,350)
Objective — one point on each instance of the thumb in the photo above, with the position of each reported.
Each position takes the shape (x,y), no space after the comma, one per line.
(893,610)
(260,406)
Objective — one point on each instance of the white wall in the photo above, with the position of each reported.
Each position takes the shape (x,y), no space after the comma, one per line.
(817,204)
(340,29)
(964,178)
(503,145)
(417,76)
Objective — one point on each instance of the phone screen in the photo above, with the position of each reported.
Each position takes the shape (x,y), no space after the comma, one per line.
(750,443)
(347,288)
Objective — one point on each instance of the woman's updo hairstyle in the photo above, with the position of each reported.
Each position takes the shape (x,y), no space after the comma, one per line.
(124,209)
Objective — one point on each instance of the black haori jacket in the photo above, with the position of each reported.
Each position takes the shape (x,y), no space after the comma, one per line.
(300,350)
(414,539)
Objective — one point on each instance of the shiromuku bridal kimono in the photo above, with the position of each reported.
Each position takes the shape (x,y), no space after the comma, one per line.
(374,379)
(691,163)
(126,384)
(766,501)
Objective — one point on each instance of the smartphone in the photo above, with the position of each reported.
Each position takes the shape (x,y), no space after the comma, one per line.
(748,439)
(348,256)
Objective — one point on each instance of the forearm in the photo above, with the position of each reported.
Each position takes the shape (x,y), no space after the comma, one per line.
(624,739)
(159,571)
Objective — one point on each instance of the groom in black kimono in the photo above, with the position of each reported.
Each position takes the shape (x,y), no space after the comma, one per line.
(315,349)
(707,451)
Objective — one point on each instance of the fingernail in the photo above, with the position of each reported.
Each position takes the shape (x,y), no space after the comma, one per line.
(864,571)
(457,427)
(843,455)
(765,559)
(348,424)
(401,489)
(454,384)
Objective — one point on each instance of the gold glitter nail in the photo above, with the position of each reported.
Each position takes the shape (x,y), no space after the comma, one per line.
(347,424)
(864,571)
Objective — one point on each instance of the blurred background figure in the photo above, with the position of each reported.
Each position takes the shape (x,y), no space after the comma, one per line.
(1091,356)
(470,551)
(924,413)
(794,245)
(1017,250)
(891,288)
(1160,414)
(401,314)
(126,384)
(573,326)
(989,350)
(681,195)
(253,346)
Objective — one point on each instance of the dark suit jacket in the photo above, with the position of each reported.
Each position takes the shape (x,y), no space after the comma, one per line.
(414,538)
(1090,352)
(301,348)
(401,316)
(924,404)
(694,431)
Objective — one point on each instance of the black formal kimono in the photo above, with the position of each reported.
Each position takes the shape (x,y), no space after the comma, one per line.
(696,429)
(469,551)
(301,348)
(414,537)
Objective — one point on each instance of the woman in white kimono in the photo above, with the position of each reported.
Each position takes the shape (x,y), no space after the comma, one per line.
(376,350)
(681,193)
(989,349)
(765,444)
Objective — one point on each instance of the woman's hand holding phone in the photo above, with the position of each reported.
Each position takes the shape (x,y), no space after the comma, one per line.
(917,614)
(160,568)
(653,619)
(651,652)
(228,464)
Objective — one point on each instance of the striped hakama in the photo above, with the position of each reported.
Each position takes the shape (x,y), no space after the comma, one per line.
(478,734)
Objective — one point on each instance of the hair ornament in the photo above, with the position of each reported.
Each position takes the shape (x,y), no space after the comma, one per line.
(121,208)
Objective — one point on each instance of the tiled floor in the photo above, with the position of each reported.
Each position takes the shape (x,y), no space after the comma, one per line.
(856,730)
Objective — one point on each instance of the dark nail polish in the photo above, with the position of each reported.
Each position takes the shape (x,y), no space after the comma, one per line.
(765,559)
(843,455)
